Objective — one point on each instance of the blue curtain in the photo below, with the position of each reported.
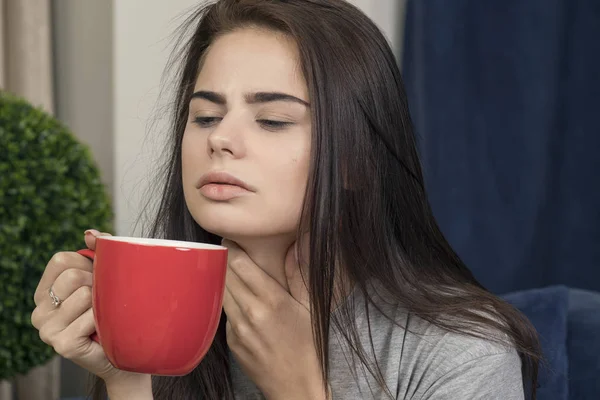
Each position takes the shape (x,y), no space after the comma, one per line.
(505,98)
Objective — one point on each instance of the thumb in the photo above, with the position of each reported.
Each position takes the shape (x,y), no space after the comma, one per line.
(297,277)
(90,238)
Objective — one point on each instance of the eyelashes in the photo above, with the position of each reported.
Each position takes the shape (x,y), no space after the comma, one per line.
(206,122)
(273,124)
(268,124)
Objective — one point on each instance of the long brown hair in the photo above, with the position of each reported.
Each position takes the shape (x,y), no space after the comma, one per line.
(365,207)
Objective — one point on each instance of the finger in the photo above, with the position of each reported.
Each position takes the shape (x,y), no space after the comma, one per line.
(228,330)
(83,326)
(254,277)
(67,282)
(237,346)
(71,309)
(242,341)
(39,317)
(90,238)
(74,341)
(240,292)
(60,262)
(75,344)
(230,306)
(233,340)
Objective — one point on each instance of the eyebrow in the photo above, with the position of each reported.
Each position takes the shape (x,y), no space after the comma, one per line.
(251,98)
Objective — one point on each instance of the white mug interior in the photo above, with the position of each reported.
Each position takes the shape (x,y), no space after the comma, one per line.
(180,244)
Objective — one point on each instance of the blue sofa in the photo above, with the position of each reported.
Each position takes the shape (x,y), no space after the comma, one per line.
(568,322)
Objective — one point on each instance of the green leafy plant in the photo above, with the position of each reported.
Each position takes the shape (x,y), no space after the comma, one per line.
(50,192)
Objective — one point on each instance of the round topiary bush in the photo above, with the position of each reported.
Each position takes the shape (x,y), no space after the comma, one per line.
(50,192)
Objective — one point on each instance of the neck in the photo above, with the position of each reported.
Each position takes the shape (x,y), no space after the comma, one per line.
(269,254)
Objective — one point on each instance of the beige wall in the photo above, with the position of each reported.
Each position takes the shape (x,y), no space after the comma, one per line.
(83,57)
(83,78)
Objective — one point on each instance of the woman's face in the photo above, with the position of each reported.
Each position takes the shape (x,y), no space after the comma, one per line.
(246,146)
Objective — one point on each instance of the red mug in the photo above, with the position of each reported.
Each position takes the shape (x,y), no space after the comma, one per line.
(157,303)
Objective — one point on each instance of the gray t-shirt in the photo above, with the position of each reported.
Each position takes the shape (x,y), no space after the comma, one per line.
(421,363)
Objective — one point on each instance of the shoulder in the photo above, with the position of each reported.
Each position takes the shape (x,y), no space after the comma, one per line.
(426,361)
(425,340)
(435,362)
(447,364)
(425,337)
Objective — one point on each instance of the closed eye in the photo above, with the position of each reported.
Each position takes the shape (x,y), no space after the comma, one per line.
(273,125)
(206,122)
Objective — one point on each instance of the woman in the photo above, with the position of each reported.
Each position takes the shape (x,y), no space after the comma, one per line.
(292,145)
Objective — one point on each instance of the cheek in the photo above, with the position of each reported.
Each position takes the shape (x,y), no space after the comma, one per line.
(293,176)
(192,150)
(301,163)
(301,176)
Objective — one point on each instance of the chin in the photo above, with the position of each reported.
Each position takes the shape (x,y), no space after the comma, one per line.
(242,220)
(240,229)
(229,226)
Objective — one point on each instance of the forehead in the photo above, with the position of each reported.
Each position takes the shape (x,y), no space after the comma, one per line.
(252,59)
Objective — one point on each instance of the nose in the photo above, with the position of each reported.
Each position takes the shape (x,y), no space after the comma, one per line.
(225,140)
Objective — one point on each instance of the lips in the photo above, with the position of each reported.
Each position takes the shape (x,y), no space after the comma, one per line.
(222,178)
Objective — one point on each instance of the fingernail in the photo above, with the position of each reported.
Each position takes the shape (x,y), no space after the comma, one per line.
(92,232)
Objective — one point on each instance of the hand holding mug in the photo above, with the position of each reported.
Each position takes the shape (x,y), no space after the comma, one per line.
(154,304)
(64,314)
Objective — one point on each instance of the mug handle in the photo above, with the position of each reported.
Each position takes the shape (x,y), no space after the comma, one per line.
(90,254)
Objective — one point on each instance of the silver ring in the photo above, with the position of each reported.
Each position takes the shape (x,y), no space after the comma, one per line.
(55,300)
